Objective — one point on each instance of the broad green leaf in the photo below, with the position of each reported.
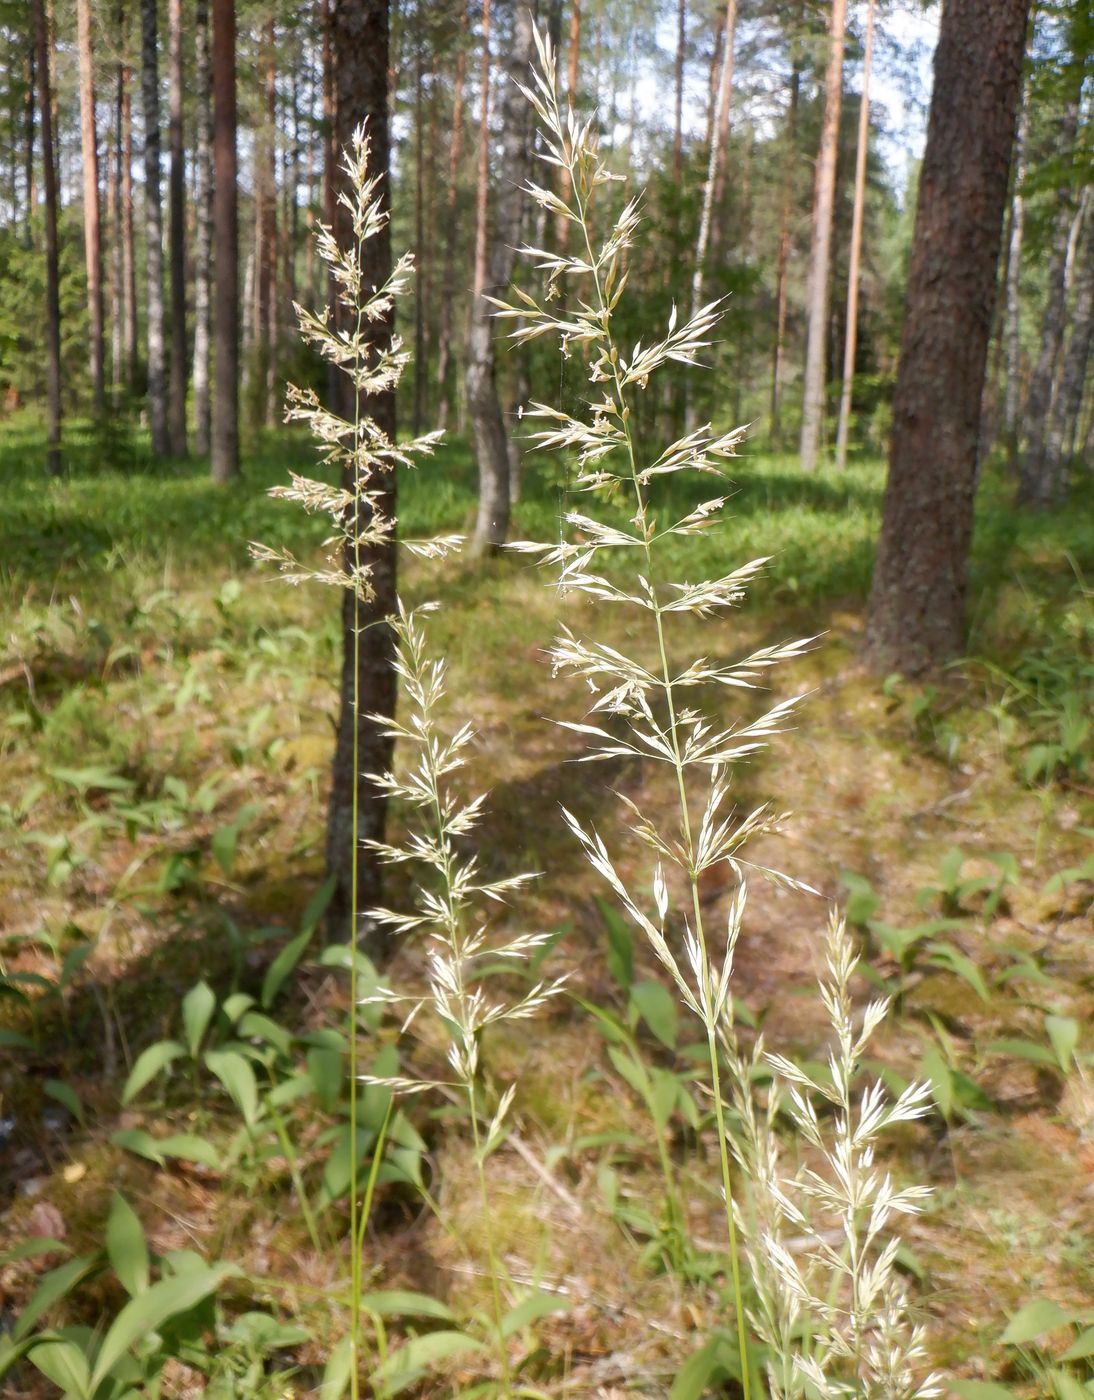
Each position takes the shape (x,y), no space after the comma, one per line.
(937,1074)
(1034,1320)
(1063,1032)
(620,944)
(53,1287)
(198,1006)
(1022,1050)
(532,1309)
(630,1070)
(981,1390)
(149,1063)
(32,1248)
(139,1142)
(226,839)
(188,1147)
(64,1364)
(716,1359)
(657,1008)
(238,1078)
(1069,1387)
(127,1247)
(234,1006)
(398,1302)
(254,1026)
(664,1096)
(336,1372)
(946,956)
(325,1067)
(260,1330)
(1081,1347)
(318,904)
(412,1360)
(282,965)
(65,1095)
(147,1313)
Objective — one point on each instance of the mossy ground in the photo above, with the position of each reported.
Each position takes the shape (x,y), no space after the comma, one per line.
(157,690)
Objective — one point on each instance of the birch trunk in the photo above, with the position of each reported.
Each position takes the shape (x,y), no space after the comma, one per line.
(153,230)
(821,245)
(93,251)
(1014,288)
(225,425)
(114,220)
(177,230)
(573,52)
(129,245)
(494,253)
(203,239)
(851,335)
(1063,428)
(790,159)
(678,110)
(53,298)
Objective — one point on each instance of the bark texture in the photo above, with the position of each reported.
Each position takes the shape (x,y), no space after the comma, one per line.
(448,288)
(93,251)
(1063,429)
(129,257)
(53,297)
(153,231)
(916,616)
(360,38)
(820,251)
(495,243)
(225,463)
(1014,290)
(203,231)
(786,204)
(177,231)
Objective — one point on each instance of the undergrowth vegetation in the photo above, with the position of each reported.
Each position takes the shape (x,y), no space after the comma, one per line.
(241,1162)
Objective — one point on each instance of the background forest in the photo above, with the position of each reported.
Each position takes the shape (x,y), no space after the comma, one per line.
(856,284)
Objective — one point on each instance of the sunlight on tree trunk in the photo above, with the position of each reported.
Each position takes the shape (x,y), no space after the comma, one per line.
(53,298)
(93,253)
(225,454)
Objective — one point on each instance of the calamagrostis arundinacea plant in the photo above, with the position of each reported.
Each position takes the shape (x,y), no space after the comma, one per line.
(359,449)
(645,708)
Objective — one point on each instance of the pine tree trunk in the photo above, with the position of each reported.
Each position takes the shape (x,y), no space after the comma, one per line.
(93,251)
(790,160)
(1014,289)
(420,366)
(177,231)
(53,298)
(129,246)
(493,269)
(360,38)
(917,602)
(824,194)
(153,231)
(203,240)
(1063,425)
(843,431)
(28,144)
(225,433)
(448,288)
(114,218)
(271,291)
(724,102)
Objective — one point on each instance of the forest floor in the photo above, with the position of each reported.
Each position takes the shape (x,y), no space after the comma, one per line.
(167,716)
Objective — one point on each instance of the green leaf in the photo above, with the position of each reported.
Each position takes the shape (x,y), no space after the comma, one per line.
(1069,1387)
(1022,1050)
(946,956)
(140,1143)
(630,1070)
(1081,1347)
(254,1026)
(325,1068)
(532,1309)
(1034,1320)
(65,1095)
(150,1062)
(198,1006)
(64,1364)
(981,1390)
(1063,1032)
(188,1147)
(32,1248)
(53,1287)
(657,1008)
(127,1247)
(166,1299)
(937,1074)
(224,842)
(282,965)
(412,1360)
(318,904)
(238,1078)
(336,1372)
(716,1359)
(398,1302)
(664,1096)
(620,944)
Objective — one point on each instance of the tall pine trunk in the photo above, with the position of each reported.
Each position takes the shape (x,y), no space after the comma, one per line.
(153,231)
(53,296)
(360,38)
(28,140)
(114,220)
(448,287)
(177,231)
(843,431)
(1014,290)
(495,242)
(93,251)
(225,454)
(203,239)
(820,250)
(916,616)
(129,246)
(786,204)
